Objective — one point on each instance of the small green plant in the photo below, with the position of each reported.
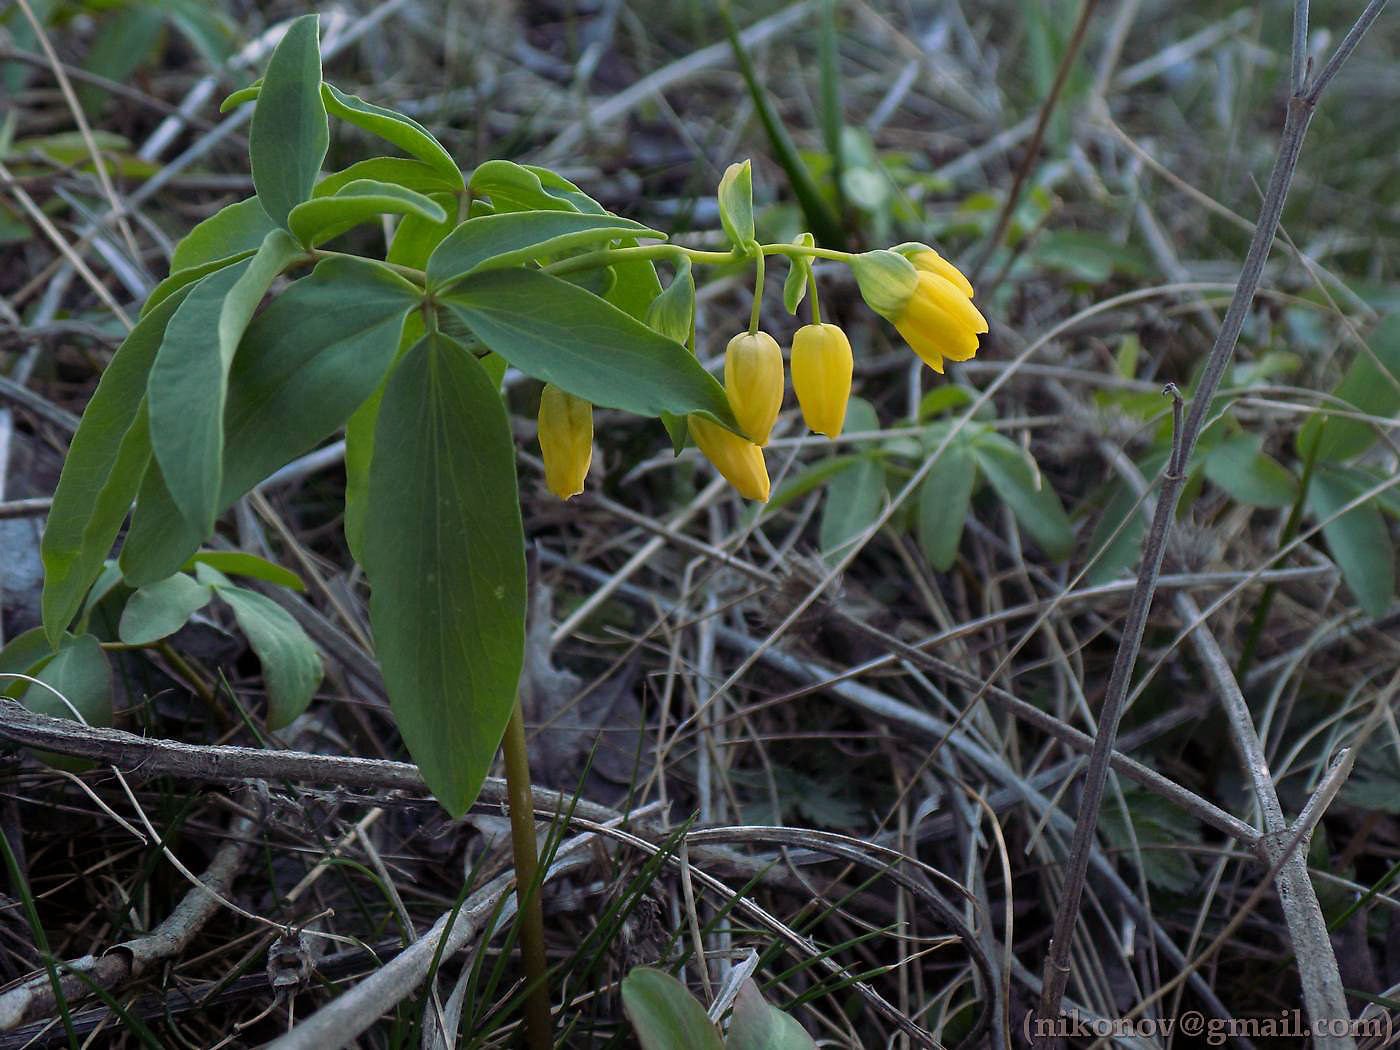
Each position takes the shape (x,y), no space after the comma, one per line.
(666,1016)
(212,391)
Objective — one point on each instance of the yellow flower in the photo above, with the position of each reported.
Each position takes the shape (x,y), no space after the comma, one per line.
(821,376)
(566,440)
(940,321)
(926,298)
(753,379)
(740,461)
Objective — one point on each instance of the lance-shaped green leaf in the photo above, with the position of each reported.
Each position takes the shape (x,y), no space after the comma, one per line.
(672,313)
(1359,541)
(189,381)
(512,238)
(664,1014)
(944,501)
(799,275)
(856,493)
(1017,481)
(160,609)
(402,131)
(416,238)
(290,663)
(182,279)
(242,96)
(321,218)
(359,446)
(233,230)
(1239,467)
(290,133)
(159,539)
(240,563)
(561,334)
(401,171)
(307,363)
(736,203)
(445,556)
(517,187)
(101,473)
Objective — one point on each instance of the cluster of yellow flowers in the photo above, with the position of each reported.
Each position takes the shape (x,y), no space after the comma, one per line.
(924,296)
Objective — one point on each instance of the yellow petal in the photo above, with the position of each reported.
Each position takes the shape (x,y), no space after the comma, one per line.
(931,262)
(739,461)
(951,299)
(821,376)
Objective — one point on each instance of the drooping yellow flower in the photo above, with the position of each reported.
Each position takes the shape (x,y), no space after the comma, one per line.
(739,461)
(926,298)
(566,440)
(821,376)
(753,379)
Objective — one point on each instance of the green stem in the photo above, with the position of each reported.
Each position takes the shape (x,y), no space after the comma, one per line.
(608,256)
(538,1024)
(416,276)
(185,671)
(757,293)
(816,299)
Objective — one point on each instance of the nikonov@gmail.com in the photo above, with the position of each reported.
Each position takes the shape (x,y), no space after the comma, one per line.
(1286,1024)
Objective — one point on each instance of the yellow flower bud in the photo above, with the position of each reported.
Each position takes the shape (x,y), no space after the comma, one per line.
(821,376)
(739,461)
(566,440)
(753,379)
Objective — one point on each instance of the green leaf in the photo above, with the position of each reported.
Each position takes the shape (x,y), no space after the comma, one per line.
(518,237)
(672,313)
(1359,541)
(238,563)
(1018,482)
(444,551)
(241,96)
(400,171)
(290,663)
(182,279)
(159,539)
(736,204)
(416,238)
(290,133)
(233,230)
(664,1015)
(101,473)
(514,187)
(1120,552)
(125,39)
(758,1025)
(799,275)
(1167,837)
(21,655)
(1251,477)
(160,609)
(307,363)
(321,218)
(402,131)
(561,334)
(359,446)
(1372,390)
(808,480)
(189,381)
(81,673)
(855,495)
(943,398)
(945,500)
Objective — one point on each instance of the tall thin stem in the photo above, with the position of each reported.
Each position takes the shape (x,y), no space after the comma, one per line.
(538,1024)
(1300,110)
